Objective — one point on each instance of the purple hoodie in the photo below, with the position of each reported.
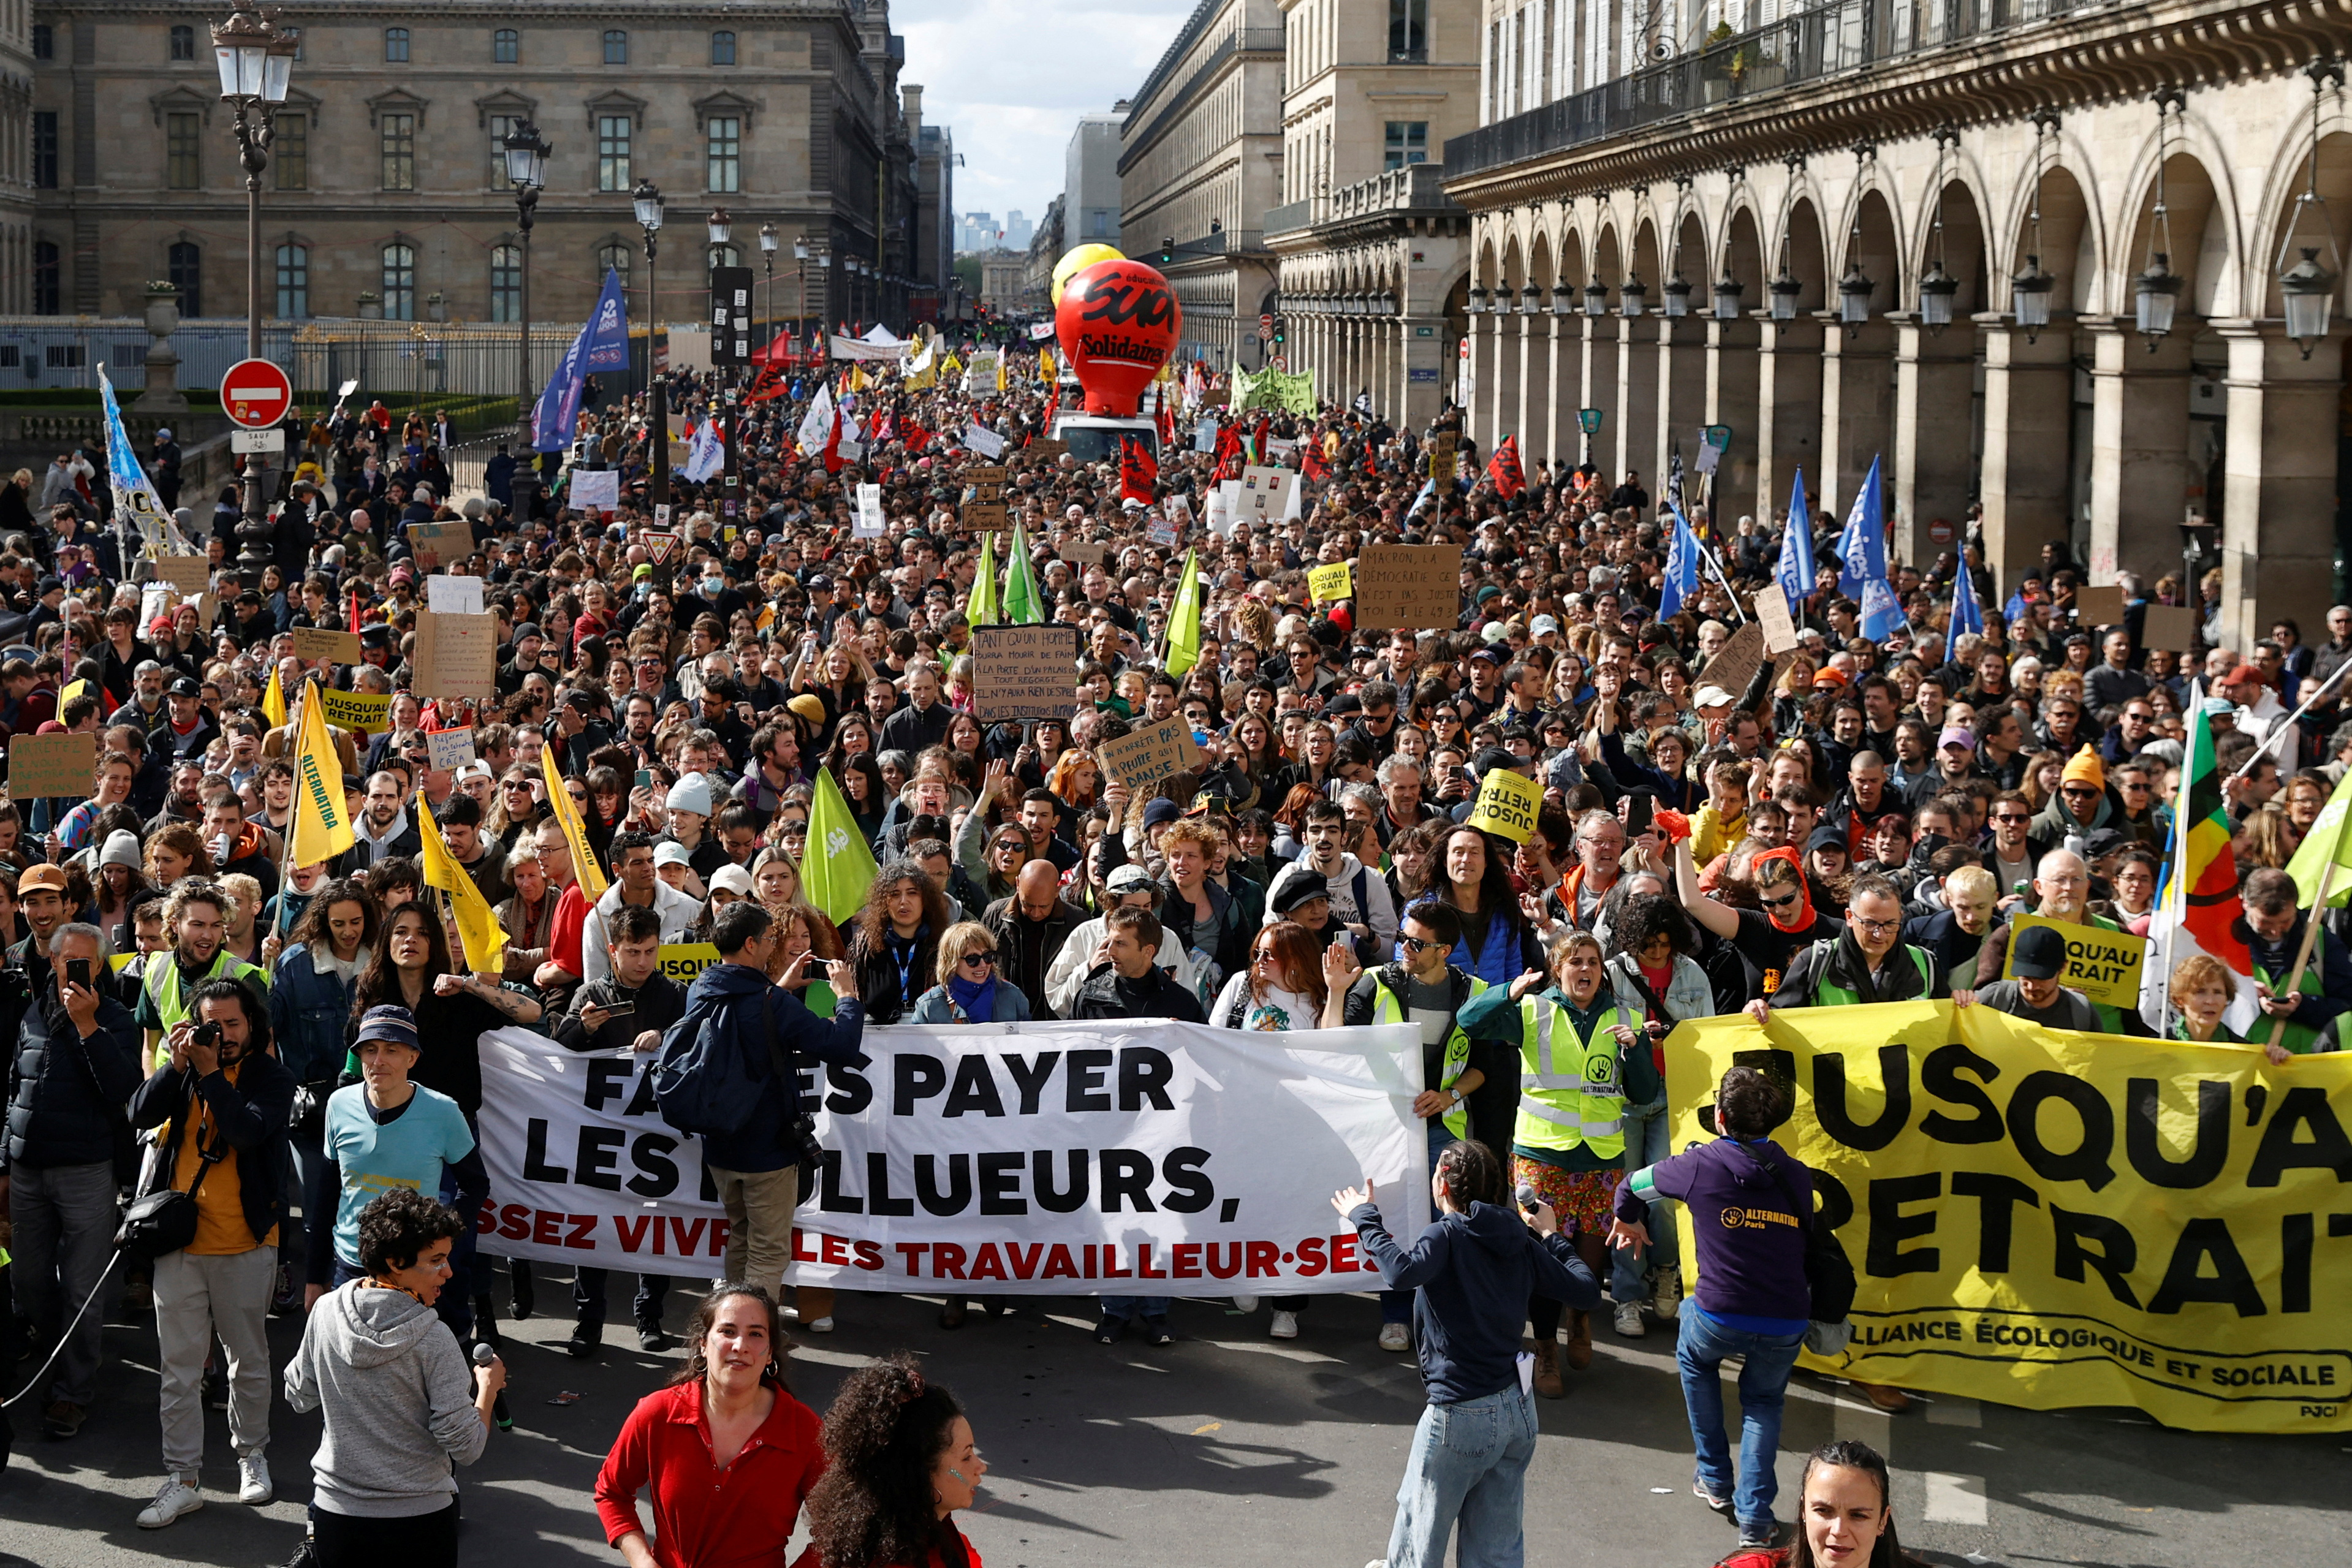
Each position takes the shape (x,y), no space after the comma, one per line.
(1751,1250)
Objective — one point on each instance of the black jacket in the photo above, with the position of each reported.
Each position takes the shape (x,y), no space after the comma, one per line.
(253,1115)
(1104,995)
(1026,948)
(658,1003)
(66,1094)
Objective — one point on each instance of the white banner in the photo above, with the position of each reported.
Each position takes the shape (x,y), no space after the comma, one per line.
(594,489)
(1047,1158)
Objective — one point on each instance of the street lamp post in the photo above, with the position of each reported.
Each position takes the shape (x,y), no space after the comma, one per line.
(799,286)
(722,227)
(257,61)
(526,152)
(767,261)
(648,200)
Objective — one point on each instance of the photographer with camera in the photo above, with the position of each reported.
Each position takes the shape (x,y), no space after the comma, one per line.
(225,1105)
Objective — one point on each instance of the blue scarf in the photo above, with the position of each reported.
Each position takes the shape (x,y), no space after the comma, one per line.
(977,998)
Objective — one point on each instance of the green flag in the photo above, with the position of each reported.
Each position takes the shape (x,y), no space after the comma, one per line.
(1184,620)
(980,609)
(838,866)
(1023,604)
(2326,842)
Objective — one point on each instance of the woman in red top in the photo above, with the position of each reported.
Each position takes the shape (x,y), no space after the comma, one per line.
(1843,1520)
(903,1460)
(728,1453)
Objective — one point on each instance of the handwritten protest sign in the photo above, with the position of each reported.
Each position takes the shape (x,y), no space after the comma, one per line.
(369,712)
(1022,672)
(40,766)
(1772,614)
(1147,756)
(446,595)
(2105,966)
(319,642)
(449,747)
(190,574)
(597,489)
(1414,587)
(456,655)
(439,544)
(1330,584)
(1506,805)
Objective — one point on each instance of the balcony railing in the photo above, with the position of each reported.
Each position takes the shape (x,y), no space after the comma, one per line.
(1241,40)
(1416,187)
(1847,35)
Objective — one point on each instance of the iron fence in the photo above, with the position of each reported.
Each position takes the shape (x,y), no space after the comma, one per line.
(397,361)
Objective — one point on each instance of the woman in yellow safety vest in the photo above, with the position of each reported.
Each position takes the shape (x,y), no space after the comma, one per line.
(1580,1065)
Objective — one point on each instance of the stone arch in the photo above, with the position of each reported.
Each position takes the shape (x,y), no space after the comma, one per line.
(1870,239)
(1956,207)
(1805,247)
(1743,255)
(2203,246)
(1484,272)
(2290,177)
(1608,254)
(1515,272)
(2069,248)
(1574,268)
(1645,256)
(1691,250)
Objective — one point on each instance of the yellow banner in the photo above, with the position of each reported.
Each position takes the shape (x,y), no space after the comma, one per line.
(682,961)
(2052,1219)
(1506,805)
(2103,965)
(1330,584)
(367,712)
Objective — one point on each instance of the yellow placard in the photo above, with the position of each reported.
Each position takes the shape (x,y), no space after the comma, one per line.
(367,712)
(1330,584)
(1506,806)
(2103,965)
(682,961)
(2053,1219)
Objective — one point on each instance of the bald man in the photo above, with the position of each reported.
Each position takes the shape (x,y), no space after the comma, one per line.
(2062,891)
(1031,927)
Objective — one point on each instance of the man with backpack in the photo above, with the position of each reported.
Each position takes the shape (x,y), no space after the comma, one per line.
(728,1074)
(1751,1212)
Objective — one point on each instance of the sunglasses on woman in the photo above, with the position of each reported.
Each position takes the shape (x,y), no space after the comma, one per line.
(978,960)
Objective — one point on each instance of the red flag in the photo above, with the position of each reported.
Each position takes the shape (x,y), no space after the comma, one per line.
(1312,464)
(1139,472)
(1257,436)
(1503,468)
(769,382)
(833,457)
(1371,462)
(915,436)
(1229,449)
(355,611)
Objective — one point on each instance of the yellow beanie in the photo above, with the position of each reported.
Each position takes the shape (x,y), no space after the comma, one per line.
(2084,767)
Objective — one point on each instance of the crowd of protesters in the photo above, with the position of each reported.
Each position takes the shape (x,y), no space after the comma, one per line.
(1855,821)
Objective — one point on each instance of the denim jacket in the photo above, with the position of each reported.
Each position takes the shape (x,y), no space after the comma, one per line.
(309,1017)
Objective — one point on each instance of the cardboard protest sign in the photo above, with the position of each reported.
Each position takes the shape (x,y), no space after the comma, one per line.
(1772,614)
(1413,587)
(450,749)
(1506,805)
(1046,451)
(1330,584)
(984,441)
(1735,664)
(869,523)
(2105,966)
(319,642)
(597,489)
(448,595)
(439,544)
(1146,755)
(190,574)
(1023,672)
(369,712)
(2169,627)
(41,766)
(1441,457)
(456,655)
(990,516)
(1264,493)
(984,474)
(2097,607)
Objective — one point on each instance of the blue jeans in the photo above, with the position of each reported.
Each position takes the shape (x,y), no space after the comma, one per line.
(1468,1462)
(1126,1308)
(1396,1306)
(1647,1130)
(1700,1353)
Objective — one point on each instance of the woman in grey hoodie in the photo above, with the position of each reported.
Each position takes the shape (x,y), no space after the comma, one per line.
(400,1403)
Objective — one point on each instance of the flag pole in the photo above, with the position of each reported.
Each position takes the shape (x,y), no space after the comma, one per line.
(2287,724)
(2310,936)
(285,850)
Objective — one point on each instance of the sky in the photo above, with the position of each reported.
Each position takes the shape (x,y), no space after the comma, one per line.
(1010,79)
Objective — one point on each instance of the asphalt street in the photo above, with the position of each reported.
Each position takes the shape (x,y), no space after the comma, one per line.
(1230,1447)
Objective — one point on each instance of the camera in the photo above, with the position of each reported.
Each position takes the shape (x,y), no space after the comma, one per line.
(208,1035)
(799,1138)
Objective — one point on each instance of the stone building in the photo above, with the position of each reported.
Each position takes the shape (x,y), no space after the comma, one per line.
(1200,166)
(20,153)
(1046,248)
(386,192)
(2037,256)
(1374,255)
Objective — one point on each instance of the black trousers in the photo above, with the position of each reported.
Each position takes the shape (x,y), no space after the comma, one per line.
(422,1541)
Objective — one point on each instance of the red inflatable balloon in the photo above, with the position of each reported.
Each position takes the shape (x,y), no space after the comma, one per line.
(1118,322)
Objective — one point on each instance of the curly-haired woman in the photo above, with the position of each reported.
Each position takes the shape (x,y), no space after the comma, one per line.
(728,1453)
(900,1461)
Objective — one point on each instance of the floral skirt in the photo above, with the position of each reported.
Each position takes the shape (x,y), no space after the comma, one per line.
(1583,1199)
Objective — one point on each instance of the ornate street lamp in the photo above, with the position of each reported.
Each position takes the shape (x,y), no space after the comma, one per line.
(1728,291)
(526,154)
(1631,297)
(2307,289)
(2029,291)
(1677,292)
(1853,294)
(2157,291)
(1596,298)
(1938,287)
(647,201)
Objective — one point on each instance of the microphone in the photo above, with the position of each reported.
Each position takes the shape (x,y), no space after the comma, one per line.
(1527,1198)
(483,1354)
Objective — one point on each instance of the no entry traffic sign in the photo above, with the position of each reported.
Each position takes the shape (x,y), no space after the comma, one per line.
(256,394)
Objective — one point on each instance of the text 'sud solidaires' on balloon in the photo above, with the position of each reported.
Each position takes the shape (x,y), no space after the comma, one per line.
(1118,322)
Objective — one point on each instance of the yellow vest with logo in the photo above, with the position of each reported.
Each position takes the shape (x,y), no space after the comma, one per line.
(1572,1090)
(161,982)
(1387,1008)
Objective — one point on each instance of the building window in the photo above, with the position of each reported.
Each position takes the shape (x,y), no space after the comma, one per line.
(613,259)
(395,46)
(725,152)
(45,149)
(44,41)
(62,356)
(500,125)
(400,151)
(505,283)
(506,47)
(184,43)
(293,282)
(400,282)
(612,151)
(1098,223)
(1408,29)
(726,256)
(722,48)
(290,151)
(183,167)
(45,277)
(1408,142)
(616,46)
(185,267)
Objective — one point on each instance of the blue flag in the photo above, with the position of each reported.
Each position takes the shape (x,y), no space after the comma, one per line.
(1862,545)
(1682,569)
(133,493)
(603,345)
(1967,614)
(1796,570)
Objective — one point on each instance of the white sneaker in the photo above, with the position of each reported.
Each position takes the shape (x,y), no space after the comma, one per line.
(1666,1296)
(1629,1321)
(173,1498)
(822,1325)
(254,1485)
(1244,1303)
(1285,1325)
(1396,1336)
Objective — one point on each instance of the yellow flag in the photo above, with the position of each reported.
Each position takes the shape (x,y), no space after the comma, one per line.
(321,830)
(585,868)
(478,928)
(273,699)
